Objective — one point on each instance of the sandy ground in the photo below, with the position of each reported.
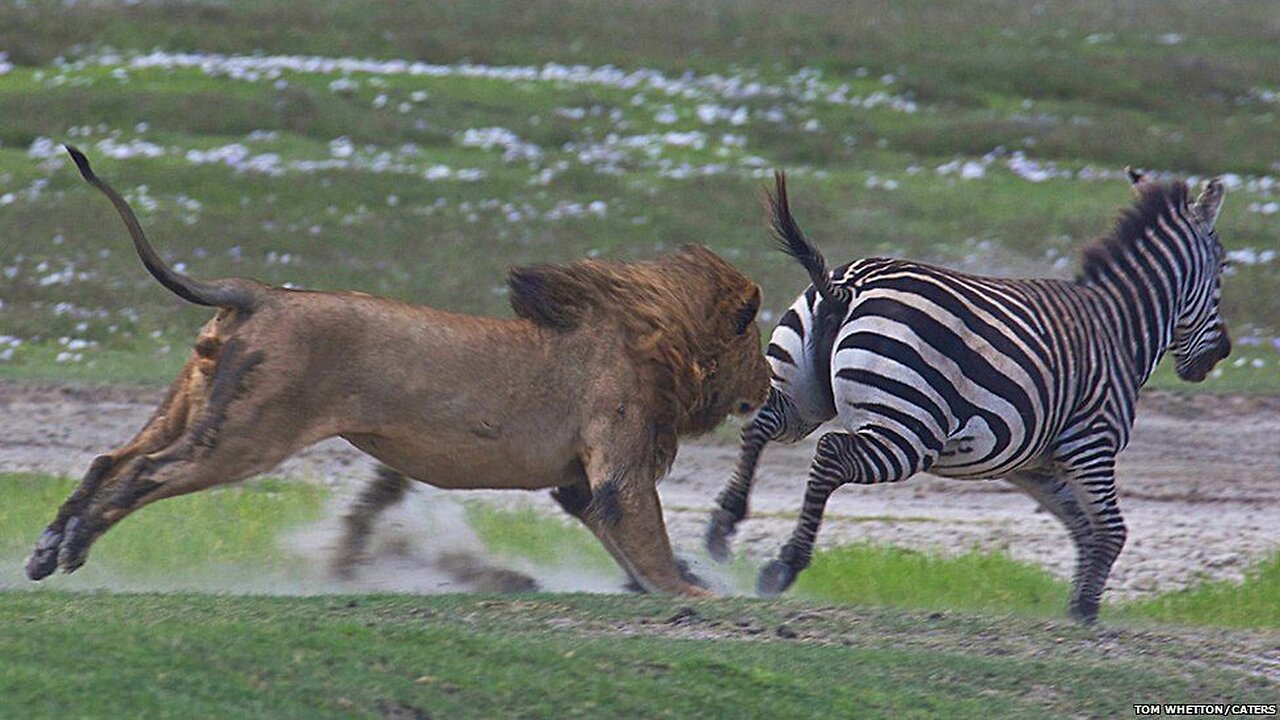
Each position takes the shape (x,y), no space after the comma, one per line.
(1199,487)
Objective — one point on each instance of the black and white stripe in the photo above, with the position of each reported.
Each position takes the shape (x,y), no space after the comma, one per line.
(1033,381)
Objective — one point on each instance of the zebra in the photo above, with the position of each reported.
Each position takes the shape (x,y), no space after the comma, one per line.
(969,377)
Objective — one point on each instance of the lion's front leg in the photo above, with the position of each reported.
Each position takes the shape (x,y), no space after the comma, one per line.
(387,488)
(575,499)
(625,513)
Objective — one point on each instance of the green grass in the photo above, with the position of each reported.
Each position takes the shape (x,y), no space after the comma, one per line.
(896,577)
(157,364)
(234,537)
(875,632)
(538,656)
(1255,602)
(1081,85)
(527,534)
(888,576)
(1249,370)
(221,535)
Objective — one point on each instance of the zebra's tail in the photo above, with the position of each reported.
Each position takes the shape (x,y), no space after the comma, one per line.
(792,241)
(229,293)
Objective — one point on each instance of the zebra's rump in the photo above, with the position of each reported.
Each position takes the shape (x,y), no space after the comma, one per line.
(957,367)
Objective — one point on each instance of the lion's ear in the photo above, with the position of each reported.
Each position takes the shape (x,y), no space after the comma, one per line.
(747,312)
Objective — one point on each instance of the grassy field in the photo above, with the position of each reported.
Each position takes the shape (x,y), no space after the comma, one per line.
(418,150)
(538,656)
(869,631)
(238,539)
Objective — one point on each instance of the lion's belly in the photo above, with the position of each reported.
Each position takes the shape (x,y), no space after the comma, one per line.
(462,460)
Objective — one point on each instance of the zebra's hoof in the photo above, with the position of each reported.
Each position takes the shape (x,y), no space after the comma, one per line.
(716,540)
(775,577)
(1083,612)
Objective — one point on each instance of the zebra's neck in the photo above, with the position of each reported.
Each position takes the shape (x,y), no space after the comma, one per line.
(1141,283)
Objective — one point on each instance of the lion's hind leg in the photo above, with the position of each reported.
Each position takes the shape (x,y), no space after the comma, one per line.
(387,488)
(213,428)
(164,427)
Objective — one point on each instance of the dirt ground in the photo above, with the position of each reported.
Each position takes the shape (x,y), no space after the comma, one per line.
(1199,486)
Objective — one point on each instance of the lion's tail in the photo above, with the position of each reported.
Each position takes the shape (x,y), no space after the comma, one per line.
(218,293)
(791,239)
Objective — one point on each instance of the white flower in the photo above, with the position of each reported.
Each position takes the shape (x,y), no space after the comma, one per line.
(341,147)
(43,148)
(438,172)
(972,171)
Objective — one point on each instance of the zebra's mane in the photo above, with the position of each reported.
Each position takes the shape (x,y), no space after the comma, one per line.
(1155,200)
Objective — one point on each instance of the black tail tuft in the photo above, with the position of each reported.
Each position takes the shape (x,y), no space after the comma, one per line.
(82,163)
(219,293)
(791,240)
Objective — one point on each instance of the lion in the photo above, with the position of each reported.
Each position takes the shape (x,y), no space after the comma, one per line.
(585,390)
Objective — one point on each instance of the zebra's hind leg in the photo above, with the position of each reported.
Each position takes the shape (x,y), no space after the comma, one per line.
(777,419)
(864,457)
(387,488)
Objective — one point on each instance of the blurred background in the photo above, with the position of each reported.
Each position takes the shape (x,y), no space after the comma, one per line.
(416,150)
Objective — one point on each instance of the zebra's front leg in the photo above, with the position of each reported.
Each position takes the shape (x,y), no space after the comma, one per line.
(732,503)
(776,420)
(1056,495)
(1090,479)
(861,458)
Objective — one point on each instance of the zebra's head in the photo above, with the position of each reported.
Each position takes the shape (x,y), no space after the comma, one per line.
(1200,336)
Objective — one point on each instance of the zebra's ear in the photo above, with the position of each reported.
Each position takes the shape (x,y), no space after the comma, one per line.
(1209,204)
(1136,177)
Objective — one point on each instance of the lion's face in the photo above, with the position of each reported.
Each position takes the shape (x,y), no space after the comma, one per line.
(746,376)
(737,379)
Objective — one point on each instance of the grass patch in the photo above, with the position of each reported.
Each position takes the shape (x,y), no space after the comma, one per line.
(897,577)
(1251,369)
(237,532)
(395,183)
(539,656)
(993,582)
(51,361)
(1253,602)
(527,534)
(234,536)
(225,532)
